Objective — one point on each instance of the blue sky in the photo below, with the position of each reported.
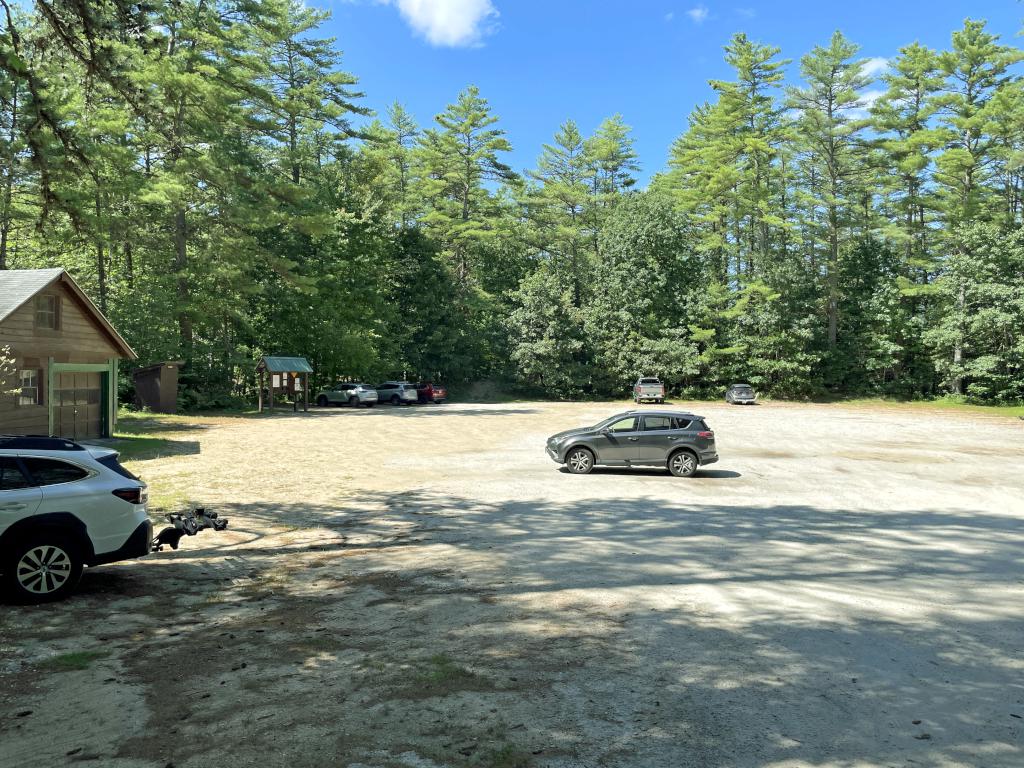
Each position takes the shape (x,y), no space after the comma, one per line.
(542,62)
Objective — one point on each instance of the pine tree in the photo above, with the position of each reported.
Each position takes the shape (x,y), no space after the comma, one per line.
(558,206)
(457,158)
(976,69)
(390,157)
(831,148)
(311,93)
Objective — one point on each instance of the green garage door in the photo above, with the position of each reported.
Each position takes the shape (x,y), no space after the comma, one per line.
(77,401)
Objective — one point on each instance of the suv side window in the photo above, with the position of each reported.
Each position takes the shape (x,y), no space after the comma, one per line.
(678,423)
(623,425)
(11,477)
(652,423)
(51,471)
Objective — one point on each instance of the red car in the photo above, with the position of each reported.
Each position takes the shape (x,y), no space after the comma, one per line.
(430,393)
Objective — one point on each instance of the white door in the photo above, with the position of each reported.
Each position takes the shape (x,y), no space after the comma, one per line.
(17,498)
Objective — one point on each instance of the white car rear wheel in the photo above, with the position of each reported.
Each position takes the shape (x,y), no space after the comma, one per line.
(42,567)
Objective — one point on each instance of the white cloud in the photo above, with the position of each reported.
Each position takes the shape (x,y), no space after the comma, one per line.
(874,66)
(698,14)
(866,100)
(669,16)
(449,23)
(869,97)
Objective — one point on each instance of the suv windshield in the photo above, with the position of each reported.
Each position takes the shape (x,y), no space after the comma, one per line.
(649,381)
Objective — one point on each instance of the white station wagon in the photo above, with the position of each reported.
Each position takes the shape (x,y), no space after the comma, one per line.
(64,506)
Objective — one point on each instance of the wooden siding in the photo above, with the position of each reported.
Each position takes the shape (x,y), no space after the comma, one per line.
(78,340)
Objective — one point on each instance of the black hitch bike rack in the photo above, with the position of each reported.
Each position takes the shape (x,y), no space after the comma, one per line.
(187,524)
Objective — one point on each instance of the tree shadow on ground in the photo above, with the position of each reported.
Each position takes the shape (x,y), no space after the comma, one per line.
(616,632)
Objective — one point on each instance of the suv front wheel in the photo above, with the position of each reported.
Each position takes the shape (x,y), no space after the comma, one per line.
(579,461)
(42,567)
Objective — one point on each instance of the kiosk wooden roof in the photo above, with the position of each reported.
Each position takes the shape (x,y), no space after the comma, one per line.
(287,372)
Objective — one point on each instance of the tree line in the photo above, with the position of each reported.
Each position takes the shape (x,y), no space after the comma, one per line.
(208,171)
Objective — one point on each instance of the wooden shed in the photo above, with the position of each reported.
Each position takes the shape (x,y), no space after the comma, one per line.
(156,386)
(289,375)
(61,377)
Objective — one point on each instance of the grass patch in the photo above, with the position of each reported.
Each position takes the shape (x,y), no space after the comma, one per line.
(506,757)
(138,437)
(944,404)
(72,662)
(443,675)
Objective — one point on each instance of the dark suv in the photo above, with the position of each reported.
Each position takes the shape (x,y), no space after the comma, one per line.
(681,442)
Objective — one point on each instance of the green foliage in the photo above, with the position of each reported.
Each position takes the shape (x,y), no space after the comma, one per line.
(203,170)
(983,287)
(550,348)
(647,291)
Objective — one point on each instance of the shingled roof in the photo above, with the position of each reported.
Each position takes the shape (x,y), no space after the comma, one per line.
(18,286)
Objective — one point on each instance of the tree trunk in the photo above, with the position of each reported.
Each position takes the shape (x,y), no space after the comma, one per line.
(5,220)
(101,259)
(129,266)
(180,265)
(958,345)
(833,266)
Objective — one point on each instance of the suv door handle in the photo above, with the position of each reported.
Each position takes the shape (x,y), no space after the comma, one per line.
(632,439)
(13,505)
(671,439)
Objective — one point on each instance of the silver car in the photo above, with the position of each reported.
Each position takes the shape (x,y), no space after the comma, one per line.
(740,394)
(397,392)
(352,394)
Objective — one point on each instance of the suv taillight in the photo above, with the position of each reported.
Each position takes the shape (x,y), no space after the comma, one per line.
(131,495)
(707,433)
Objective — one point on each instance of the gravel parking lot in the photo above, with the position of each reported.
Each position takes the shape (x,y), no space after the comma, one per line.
(423,587)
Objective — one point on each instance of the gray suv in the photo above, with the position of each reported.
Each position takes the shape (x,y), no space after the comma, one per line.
(681,442)
(397,392)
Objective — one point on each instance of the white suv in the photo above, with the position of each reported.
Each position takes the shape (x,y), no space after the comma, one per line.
(64,506)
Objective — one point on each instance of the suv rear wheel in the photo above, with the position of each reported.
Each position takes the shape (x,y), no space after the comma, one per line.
(353,402)
(579,461)
(322,401)
(682,464)
(42,567)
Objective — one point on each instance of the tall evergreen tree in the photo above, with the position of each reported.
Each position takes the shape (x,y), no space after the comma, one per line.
(831,151)
(458,158)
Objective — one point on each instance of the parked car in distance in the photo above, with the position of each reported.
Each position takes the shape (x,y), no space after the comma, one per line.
(740,394)
(397,392)
(63,506)
(678,441)
(648,389)
(428,392)
(347,393)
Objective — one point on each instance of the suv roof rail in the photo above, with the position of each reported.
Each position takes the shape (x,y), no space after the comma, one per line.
(39,443)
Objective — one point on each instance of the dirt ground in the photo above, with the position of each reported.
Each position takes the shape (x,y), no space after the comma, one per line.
(423,587)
